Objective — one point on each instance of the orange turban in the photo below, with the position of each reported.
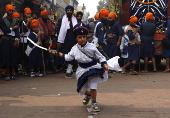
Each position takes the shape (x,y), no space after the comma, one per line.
(96,16)
(133,19)
(16,14)
(27,10)
(34,23)
(45,12)
(149,16)
(112,14)
(8,7)
(103,12)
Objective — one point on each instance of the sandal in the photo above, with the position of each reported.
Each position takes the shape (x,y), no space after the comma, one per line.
(86,100)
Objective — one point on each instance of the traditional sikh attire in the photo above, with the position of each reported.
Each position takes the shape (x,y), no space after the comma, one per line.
(133,42)
(8,48)
(115,29)
(17,15)
(166,52)
(46,26)
(100,27)
(96,17)
(89,72)
(26,30)
(34,53)
(66,37)
(148,30)
(48,30)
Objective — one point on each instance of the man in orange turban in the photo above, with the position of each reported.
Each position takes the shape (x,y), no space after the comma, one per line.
(9,9)
(149,16)
(44,13)
(114,35)
(133,47)
(8,49)
(96,16)
(24,33)
(148,30)
(100,28)
(48,31)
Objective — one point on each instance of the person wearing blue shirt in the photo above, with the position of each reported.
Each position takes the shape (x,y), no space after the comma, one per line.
(148,30)
(166,52)
(114,34)
(100,30)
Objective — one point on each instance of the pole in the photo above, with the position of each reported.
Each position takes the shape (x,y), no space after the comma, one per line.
(12,2)
(53,5)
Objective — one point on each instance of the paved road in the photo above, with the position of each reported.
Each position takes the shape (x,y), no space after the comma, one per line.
(53,96)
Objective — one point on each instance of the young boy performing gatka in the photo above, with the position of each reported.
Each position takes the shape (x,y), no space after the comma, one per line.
(89,72)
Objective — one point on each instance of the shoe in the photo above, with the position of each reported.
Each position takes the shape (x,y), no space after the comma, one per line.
(7,79)
(68,75)
(95,107)
(38,74)
(14,77)
(32,74)
(86,100)
(109,76)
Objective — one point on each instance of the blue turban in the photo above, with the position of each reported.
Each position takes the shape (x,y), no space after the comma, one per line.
(80,29)
(69,7)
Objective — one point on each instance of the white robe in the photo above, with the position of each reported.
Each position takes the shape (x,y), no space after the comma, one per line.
(90,50)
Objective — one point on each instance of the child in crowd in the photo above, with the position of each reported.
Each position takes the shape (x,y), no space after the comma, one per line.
(133,45)
(34,53)
(124,48)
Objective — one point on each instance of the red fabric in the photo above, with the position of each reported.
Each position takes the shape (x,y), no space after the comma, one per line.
(34,2)
(47,28)
(54,45)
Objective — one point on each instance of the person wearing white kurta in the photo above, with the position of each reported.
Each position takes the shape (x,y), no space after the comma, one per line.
(81,58)
(89,72)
